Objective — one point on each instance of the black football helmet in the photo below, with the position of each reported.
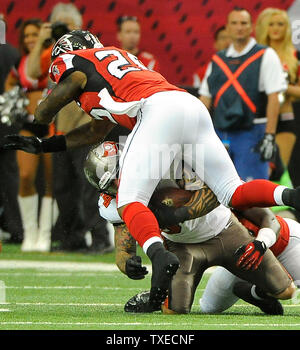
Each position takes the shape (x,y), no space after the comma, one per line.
(75,40)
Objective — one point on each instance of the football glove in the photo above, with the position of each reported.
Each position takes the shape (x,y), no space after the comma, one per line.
(134,268)
(169,216)
(266,147)
(250,255)
(33,144)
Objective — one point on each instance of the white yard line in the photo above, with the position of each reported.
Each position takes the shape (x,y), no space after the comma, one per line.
(63,304)
(69,287)
(251,325)
(60,274)
(65,266)
(56,265)
(111,304)
(87,323)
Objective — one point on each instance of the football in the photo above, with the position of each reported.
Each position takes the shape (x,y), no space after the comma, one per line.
(171,197)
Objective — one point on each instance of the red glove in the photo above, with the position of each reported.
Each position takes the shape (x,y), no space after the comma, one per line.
(250,255)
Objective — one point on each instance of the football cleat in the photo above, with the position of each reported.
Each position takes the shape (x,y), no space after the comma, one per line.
(269,305)
(164,268)
(139,303)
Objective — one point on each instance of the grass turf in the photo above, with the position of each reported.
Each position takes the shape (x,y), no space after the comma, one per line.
(85,300)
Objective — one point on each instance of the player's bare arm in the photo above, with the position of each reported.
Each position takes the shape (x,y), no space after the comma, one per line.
(62,94)
(201,203)
(126,259)
(125,246)
(250,255)
(88,134)
(65,92)
(262,217)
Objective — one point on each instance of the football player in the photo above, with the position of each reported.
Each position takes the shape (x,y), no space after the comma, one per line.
(216,237)
(114,87)
(224,289)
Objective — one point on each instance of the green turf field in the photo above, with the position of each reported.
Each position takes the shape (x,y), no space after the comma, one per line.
(80,293)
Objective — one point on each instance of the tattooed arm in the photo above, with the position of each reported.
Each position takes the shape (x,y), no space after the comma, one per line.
(201,203)
(125,246)
(126,259)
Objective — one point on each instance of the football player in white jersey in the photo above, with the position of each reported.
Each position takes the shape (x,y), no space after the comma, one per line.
(224,289)
(205,241)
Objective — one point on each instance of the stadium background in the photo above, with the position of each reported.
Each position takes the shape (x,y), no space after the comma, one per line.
(179,33)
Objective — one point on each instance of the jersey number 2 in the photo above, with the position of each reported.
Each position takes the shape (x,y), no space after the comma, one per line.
(121,66)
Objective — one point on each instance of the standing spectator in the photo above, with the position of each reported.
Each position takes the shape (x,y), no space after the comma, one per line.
(10,219)
(77,200)
(242,84)
(129,35)
(273,29)
(221,42)
(37,236)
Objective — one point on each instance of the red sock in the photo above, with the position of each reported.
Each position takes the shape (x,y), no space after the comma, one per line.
(141,222)
(256,193)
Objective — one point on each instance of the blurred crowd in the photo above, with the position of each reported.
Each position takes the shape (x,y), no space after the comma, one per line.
(251,87)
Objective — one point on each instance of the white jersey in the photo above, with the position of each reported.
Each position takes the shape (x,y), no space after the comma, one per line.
(218,295)
(201,229)
(192,231)
(108,210)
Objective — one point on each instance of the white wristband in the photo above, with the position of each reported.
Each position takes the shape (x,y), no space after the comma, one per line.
(267,235)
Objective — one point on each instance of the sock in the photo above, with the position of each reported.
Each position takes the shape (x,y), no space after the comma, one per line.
(257,193)
(257,293)
(291,197)
(154,249)
(142,225)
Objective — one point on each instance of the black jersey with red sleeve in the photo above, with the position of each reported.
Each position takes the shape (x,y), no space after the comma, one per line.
(123,77)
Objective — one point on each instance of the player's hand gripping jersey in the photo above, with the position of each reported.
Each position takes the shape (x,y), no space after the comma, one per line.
(117,82)
(283,237)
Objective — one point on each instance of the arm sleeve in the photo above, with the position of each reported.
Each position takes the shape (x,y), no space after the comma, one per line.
(271,73)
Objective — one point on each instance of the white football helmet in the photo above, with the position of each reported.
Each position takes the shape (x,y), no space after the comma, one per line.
(101,166)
